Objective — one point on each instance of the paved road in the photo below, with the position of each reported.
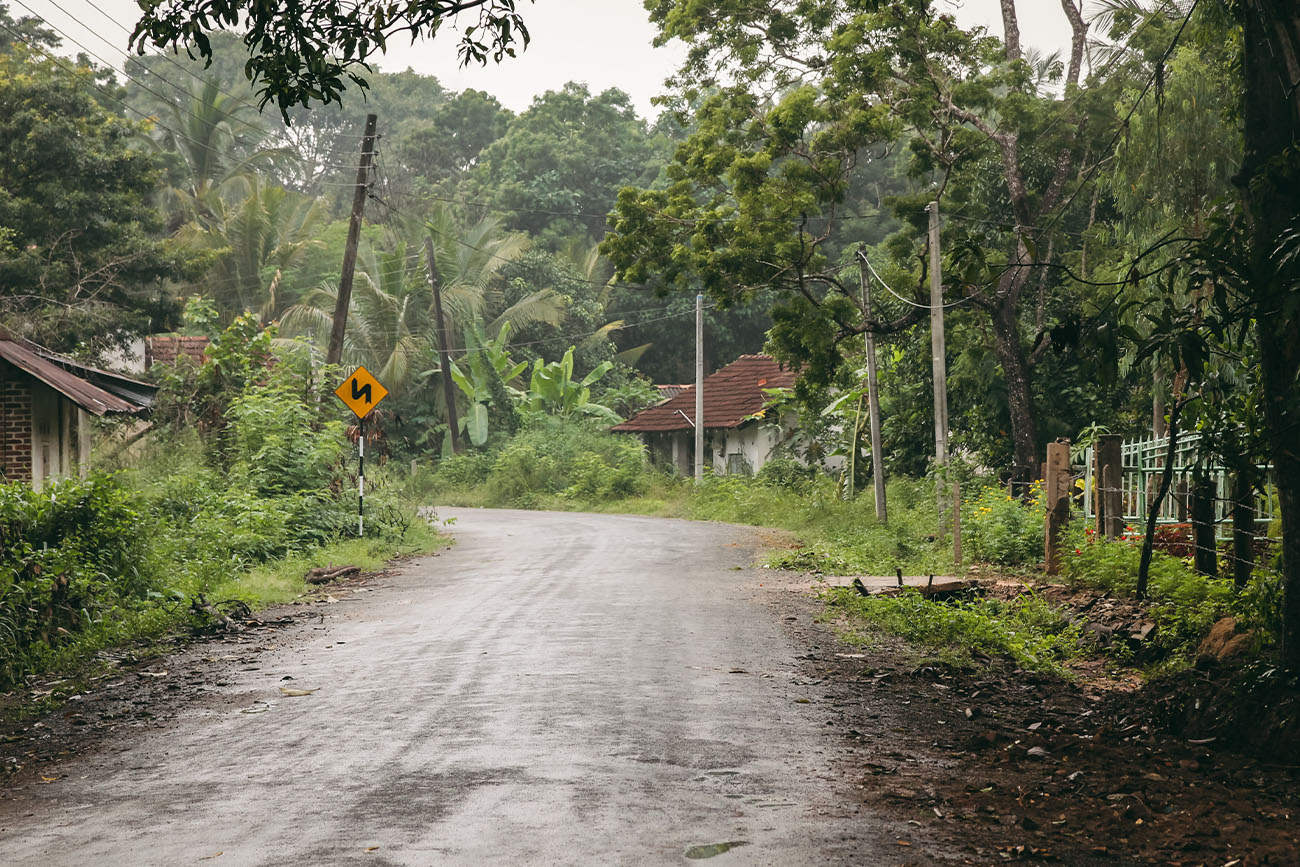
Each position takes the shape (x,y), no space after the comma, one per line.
(554,689)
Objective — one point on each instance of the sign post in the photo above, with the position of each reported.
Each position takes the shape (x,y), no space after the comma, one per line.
(361,393)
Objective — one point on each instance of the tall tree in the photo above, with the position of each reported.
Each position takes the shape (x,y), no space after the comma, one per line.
(1270,191)
(81,260)
(759,192)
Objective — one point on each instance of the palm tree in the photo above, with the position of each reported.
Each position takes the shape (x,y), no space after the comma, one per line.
(217,149)
(388,316)
(253,240)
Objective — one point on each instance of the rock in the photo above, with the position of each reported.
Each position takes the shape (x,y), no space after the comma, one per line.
(1224,642)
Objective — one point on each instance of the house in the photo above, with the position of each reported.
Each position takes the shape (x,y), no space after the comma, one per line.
(46,402)
(736,439)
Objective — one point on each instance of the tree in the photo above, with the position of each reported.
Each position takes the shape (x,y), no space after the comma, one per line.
(1269,182)
(80,256)
(301,53)
(759,194)
(559,165)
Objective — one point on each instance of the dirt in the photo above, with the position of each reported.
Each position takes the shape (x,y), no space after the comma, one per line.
(1012,766)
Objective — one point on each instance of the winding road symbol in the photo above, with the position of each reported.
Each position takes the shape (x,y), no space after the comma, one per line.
(361,392)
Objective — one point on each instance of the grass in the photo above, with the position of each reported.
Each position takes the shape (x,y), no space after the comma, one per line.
(1025,630)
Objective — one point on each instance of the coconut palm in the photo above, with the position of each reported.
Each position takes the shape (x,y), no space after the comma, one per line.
(388,316)
(253,240)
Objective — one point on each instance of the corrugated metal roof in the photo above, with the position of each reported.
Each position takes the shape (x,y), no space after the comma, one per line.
(730,396)
(90,397)
(133,390)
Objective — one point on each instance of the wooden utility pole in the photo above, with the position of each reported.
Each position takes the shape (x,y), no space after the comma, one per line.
(699,387)
(873,394)
(335,350)
(444,356)
(938,355)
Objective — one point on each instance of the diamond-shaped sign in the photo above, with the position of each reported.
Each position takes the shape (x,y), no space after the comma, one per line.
(361,392)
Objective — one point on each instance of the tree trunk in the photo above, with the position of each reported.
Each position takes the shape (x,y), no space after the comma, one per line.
(1205,553)
(1015,369)
(1270,185)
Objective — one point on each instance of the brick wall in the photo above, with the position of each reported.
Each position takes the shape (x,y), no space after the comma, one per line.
(15,424)
(167,349)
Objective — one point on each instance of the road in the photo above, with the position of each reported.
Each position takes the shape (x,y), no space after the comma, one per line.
(553,689)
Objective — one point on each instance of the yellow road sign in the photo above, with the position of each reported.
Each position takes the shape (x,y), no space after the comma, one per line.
(361,392)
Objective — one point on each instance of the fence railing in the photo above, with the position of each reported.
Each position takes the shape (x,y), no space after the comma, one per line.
(1144,464)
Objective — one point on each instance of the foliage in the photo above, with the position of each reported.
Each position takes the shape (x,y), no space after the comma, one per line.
(552,390)
(481,377)
(567,154)
(301,54)
(80,257)
(572,459)
(1183,604)
(69,555)
(1025,630)
(999,528)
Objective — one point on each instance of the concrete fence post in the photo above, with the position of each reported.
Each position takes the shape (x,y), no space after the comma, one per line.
(1056,495)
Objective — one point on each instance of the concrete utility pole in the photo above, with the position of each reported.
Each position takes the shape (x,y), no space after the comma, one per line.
(448,387)
(699,387)
(335,350)
(938,355)
(873,394)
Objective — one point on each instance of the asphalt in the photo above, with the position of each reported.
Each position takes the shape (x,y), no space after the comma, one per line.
(553,689)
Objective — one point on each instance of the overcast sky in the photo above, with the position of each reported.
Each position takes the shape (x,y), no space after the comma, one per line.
(605,43)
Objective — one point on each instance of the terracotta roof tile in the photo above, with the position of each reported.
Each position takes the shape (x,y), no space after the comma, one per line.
(730,396)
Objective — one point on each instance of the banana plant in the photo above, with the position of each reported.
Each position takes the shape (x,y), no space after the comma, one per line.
(552,390)
(486,368)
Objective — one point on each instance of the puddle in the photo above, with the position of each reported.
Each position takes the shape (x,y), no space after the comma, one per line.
(708,851)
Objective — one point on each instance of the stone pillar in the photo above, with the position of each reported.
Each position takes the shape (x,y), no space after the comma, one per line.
(1056,494)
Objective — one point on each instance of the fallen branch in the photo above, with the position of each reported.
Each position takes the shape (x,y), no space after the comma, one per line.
(326,574)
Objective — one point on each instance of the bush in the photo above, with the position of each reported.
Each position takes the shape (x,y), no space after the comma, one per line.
(1000,529)
(787,473)
(68,554)
(570,458)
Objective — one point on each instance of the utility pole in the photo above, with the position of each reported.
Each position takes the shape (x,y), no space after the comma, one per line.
(444,356)
(699,388)
(873,394)
(938,355)
(335,351)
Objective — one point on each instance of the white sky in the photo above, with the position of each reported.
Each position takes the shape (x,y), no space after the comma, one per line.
(605,43)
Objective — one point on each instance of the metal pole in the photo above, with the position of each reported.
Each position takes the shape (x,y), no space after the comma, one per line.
(335,350)
(699,387)
(448,387)
(938,358)
(873,395)
(361,477)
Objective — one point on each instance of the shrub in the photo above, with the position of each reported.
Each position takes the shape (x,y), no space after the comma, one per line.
(787,473)
(572,458)
(67,554)
(1000,529)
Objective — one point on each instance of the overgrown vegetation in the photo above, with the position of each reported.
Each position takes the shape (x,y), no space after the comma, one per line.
(244,486)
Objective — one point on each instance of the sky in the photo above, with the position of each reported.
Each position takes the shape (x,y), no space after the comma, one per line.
(604,43)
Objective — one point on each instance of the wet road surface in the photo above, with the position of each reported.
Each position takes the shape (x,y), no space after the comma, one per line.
(554,689)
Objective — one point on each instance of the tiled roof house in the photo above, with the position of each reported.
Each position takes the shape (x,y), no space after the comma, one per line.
(734,440)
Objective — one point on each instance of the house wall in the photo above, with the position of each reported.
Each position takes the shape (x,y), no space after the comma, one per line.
(744,449)
(15,424)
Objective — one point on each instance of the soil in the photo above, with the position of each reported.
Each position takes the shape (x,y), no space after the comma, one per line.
(1011,766)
